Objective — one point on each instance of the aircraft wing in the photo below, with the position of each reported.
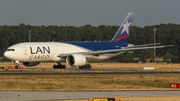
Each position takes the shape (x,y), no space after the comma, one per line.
(146,45)
(120,50)
(113,51)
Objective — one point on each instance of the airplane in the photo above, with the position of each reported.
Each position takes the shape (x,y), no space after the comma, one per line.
(75,54)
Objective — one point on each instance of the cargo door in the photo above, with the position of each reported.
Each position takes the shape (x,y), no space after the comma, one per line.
(24,51)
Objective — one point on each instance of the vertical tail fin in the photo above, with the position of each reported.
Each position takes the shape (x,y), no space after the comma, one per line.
(122,34)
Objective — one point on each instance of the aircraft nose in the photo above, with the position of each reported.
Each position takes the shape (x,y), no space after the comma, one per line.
(7,54)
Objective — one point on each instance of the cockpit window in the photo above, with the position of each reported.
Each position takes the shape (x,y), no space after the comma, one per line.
(10,49)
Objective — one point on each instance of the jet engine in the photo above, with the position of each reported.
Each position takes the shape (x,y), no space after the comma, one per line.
(76,60)
(30,63)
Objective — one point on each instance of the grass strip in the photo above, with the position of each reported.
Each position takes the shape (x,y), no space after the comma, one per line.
(88,82)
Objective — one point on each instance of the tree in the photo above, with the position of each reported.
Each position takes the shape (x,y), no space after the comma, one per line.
(167,57)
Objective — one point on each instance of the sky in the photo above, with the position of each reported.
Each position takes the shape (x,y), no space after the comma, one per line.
(92,12)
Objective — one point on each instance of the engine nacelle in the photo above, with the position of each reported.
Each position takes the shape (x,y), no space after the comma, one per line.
(76,60)
(30,63)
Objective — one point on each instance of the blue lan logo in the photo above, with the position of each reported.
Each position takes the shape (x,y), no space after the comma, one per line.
(39,50)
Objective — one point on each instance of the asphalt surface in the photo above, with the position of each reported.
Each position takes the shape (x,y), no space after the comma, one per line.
(75,69)
(48,95)
(90,73)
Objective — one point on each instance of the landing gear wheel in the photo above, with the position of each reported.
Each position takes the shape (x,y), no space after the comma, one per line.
(89,67)
(16,67)
(54,67)
(85,67)
(63,67)
(60,66)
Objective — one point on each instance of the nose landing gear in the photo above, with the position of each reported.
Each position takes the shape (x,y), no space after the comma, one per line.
(16,64)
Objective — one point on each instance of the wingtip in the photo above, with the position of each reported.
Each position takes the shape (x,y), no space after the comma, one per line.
(169,46)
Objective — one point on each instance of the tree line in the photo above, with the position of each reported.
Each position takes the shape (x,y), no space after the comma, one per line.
(168,34)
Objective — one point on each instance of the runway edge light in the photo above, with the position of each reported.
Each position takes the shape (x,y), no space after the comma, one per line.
(98,71)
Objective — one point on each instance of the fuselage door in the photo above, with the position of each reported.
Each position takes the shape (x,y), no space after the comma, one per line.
(24,51)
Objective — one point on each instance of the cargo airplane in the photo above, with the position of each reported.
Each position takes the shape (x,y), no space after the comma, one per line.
(75,54)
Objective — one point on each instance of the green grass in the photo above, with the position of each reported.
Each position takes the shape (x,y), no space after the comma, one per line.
(88,82)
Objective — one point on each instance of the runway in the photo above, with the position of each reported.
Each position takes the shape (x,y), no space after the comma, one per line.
(49,95)
(90,73)
(75,69)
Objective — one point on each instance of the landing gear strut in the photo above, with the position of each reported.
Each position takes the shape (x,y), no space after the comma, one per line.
(85,67)
(16,64)
(59,66)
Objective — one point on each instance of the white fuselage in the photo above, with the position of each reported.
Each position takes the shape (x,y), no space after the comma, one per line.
(43,51)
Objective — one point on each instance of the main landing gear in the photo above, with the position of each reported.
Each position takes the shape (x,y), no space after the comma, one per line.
(59,66)
(85,67)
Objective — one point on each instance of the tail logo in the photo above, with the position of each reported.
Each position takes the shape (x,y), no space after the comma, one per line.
(125,28)
(122,34)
